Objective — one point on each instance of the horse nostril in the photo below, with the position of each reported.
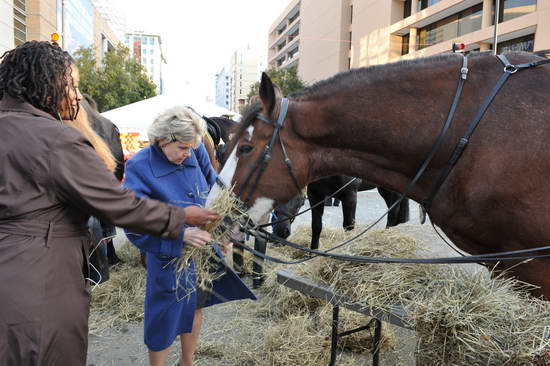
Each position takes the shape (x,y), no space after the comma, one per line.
(286,233)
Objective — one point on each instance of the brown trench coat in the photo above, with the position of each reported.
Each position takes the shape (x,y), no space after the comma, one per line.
(51,180)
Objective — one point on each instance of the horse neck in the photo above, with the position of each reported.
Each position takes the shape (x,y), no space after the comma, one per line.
(377,129)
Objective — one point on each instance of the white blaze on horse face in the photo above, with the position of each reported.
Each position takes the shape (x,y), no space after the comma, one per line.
(227,173)
(261,207)
(226,176)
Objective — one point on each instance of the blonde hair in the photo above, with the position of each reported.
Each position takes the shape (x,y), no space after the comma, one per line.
(177,124)
(82,124)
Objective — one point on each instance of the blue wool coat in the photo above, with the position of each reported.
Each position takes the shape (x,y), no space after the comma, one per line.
(170,300)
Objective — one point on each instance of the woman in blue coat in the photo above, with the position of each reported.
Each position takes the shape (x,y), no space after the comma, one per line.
(175,168)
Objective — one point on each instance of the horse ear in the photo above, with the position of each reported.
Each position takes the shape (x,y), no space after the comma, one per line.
(267,93)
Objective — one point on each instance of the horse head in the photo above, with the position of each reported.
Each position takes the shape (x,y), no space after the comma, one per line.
(267,164)
(285,215)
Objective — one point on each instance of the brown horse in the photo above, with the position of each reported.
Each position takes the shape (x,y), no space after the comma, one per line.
(379,123)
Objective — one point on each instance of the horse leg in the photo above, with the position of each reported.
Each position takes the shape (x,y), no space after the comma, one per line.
(238,260)
(258,276)
(349,208)
(393,215)
(403,210)
(316,217)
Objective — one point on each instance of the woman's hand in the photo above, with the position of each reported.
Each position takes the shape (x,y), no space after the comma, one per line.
(227,247)
(196,237)
(198,216)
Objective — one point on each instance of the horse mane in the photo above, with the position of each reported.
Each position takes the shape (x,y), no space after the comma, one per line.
(326,88)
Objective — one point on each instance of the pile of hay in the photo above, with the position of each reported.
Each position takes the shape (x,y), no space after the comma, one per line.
(461,318)
(119,300)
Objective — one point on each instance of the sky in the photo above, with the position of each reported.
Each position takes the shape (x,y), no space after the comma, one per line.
(199,36)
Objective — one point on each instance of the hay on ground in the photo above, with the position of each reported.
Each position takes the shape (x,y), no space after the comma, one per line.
(120,300)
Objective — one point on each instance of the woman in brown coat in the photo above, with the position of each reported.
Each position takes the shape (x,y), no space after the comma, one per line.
(51,181)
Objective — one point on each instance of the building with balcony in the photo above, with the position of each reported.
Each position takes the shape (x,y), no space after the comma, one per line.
(284,38)
(417,28)
(312,35)
(330,36)
(146,48)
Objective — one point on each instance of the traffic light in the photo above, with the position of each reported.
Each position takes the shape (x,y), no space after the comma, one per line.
(458,47)
(54,38)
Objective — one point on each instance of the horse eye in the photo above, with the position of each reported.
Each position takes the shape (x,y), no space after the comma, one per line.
(245,149)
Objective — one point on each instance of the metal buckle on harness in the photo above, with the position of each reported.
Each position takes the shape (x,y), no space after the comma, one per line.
(510,69)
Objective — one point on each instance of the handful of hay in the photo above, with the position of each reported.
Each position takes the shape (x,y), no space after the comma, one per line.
(227,205)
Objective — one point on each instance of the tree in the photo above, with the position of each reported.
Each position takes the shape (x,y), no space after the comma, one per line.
(118,81)
(286,79)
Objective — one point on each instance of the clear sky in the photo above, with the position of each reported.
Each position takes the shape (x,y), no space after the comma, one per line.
(199,36)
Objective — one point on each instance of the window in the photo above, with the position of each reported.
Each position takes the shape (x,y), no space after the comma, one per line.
(351,14)
(423,4)
(151,40)
(519,44)
(407,7)
(294,18)
(456,25)
(510,9)
(152,69)
(20,32)
(470,20)
(405,44)
(19,23)
(20,4)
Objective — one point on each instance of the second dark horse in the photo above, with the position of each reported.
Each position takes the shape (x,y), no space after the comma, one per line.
(323,188)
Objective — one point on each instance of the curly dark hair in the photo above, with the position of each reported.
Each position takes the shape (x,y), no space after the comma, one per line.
(38,73)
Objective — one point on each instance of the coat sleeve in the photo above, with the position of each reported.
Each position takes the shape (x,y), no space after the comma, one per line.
(80,179)
(138,183)
(206,166)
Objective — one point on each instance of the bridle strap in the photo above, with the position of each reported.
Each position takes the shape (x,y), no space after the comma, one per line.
(509,70)
(260,165)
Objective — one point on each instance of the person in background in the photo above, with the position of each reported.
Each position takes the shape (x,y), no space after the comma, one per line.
(99,263)
(174,168)
(110,134)
(52,181)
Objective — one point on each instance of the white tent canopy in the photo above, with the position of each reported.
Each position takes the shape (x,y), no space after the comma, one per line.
(137,117)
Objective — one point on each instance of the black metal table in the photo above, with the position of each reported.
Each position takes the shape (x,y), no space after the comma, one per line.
(308,287)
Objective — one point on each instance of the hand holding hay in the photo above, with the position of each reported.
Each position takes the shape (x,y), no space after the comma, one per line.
(226,206)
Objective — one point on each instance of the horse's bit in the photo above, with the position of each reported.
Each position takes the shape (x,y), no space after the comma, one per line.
(260,164)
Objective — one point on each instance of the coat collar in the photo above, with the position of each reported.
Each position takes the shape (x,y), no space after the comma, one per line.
(161,166)
(11,104)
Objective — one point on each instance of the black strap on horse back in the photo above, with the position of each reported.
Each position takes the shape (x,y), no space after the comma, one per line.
(509,69)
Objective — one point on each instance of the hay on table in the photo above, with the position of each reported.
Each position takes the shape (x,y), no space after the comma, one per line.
(461,318)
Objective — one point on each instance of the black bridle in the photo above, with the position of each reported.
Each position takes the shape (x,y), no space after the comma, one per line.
(260,164)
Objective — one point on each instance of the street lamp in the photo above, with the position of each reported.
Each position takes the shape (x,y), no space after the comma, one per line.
(495,36)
